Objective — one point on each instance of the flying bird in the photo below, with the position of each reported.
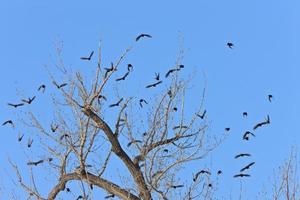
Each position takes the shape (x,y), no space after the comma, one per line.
(116,104)
(79,197)
(142,35)
(270,97)
(241,175)
(42,87)
(8,122)
(29,100)
(101,97)
(88,58)
(175,109)
(170,71)
(227,129)
(35,163)
(247,167)
(142,101)
(154,84)
(230,45)
(133,141)
(123,77)
(29,143)
(68,189)
(267,121)
(64,135)
(109,196)
(15,105)
(20,137)
(242,155)
(166,150)
(177,127)
(129,67)
(157,76)
(246,137)
(59,86)
(54,127)
(177,186)
(200,172)
(109,69)
(202,115)
(245,114)
(219,172)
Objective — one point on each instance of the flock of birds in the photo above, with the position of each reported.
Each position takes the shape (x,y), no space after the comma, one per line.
(158,81)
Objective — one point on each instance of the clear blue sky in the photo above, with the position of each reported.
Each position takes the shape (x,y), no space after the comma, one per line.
(264,61)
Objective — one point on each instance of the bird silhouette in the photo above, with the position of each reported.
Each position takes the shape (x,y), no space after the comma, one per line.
(109,69)
(79,197)
(210,185)
(64,136)
(116,104)
(245,114)
(109,196)
(123,77)
(219,172)
(68,189)
(170,71)
(270,97)
(247,166)
(20,137)
(177,186)
(154,84)
(29,100)
(54,127)
(29,143)
(157,76)
(129,67)
(101,97)
(230,45)
(15,105)
(227,129)
(35,163)
(133,141)
(267,121)
(200,172)
(241,175)
(175,109)
(87,58)
(142,101)
(59,86)
(8,122)
(50,159)
(42,87)
(242,155)
(166,150)
(202,115)
(177,127)
(142,35)
(246,137)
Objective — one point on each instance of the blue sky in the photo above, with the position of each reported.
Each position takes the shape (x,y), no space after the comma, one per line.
(264,61)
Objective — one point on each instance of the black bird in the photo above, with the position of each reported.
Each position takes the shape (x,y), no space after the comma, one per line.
(170,93)
(142,35)
(88,58)
(35,163)
(109,69)
(157,76)
(101,97)
(175,109)
(170,71)
(8,122)
(64,135)
(68,189)
(177,186)
(20,137)
(109,196)
(270,97)
(203,115)
(177,127)
(141,102)
(123,77)
(42,87)
(201,172)
(241,175)
(230,45)
(50,159)
(79,197)
(219,172)
(154,84)
(227,129)
(166,150)
(29,143)
(209,185)
(59,86)
(54,127)
(242,155)
(15,105)
(246,137)
(133,141)
(129,67)
(247,166)
(181,66)
(29,100)
(116,104)
(267,121)
(245,114)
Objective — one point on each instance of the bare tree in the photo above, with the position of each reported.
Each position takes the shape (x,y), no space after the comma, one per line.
(151,145)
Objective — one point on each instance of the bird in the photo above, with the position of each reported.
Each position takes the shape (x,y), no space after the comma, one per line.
(230,45)
(50,159)
(154,84)
(270,97)
(246,137)
(54,127)
(35,163)
(241,175)
(245,114)
(219,172)
(29,100)
(15,105)
(29,143)
(133,141)
(141,102)
(170,93)
(142,35)
(42,87)
(8,122)
(101,97)
(59,86)
(79,197)
(209,185)
(68,189)
(64,135)
(166,150)
(109,69)
(200,172)
(157,76)
(129,67)
(175,109)
(177,127)
(87,58)
(203,114)
(177,186)
(242,155)
(20,137)
(123,77)
(181,66)
(109,196)
(116,104)
(170,71)
(247,166)
(267,121)
(227,129)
